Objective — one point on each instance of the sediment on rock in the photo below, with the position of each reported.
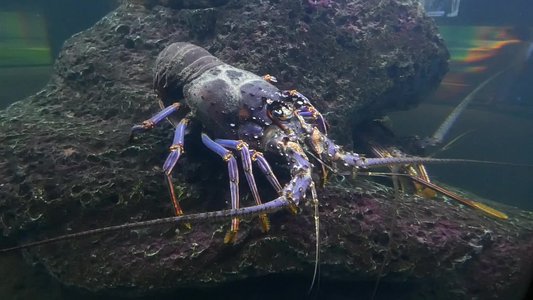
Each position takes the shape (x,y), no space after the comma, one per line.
(66,163)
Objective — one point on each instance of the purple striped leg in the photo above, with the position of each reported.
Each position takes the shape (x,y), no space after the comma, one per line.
(266,169)
(301,180)
(156,119)
(246,160)
(176,149)
(233,172)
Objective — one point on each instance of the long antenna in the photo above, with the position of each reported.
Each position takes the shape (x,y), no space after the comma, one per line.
(444,128)
(268,207)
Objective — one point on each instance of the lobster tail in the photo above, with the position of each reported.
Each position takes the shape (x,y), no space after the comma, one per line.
(177,65)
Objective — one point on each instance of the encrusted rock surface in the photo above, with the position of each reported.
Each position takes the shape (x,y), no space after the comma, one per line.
(66,163)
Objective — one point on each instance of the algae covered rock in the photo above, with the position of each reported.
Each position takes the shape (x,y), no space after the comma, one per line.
(66,163)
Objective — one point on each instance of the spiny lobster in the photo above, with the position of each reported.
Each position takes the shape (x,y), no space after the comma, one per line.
(245,113)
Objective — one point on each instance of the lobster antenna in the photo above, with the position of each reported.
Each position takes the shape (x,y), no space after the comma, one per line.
(389,161)
(268,207)
(445,127)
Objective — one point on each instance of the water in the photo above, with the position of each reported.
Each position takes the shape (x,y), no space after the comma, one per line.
(484,38)
(499,121)
(31,35)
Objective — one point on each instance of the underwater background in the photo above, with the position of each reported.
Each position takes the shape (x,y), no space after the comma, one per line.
(483,37)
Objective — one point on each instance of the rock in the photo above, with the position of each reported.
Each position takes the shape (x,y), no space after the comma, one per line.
(66,164)
(183,4)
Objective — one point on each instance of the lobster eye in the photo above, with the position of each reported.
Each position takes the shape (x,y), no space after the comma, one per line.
(281,112)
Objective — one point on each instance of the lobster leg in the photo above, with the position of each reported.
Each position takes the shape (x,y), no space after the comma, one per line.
(264,166)
(246,160)
(425,188)
(417,170)
(176,149)
(292,193)
(156,119)
(233,172)
(301,179)
(471,203)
